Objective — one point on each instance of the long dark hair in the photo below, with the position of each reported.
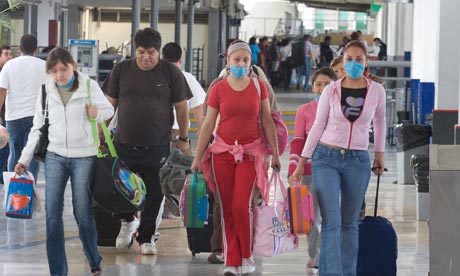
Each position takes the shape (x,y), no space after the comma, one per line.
(61,55)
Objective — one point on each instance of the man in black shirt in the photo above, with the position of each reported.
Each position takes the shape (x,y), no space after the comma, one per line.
(326,52)
(144,90)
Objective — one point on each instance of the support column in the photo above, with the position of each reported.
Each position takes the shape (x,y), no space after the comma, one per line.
(178,21)
(154,14)
(136,12)
(74,25)
(447,73)
(213,44)
(27,18)
(191,19)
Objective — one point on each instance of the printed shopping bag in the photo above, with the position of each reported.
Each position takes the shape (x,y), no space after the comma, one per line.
(301,213)
(194,201)
(37,201)
(271,235)
(19,197)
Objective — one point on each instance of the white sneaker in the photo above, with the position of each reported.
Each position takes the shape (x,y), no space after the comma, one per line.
(127,231)
(248,266)
(312,271)
(311,268)
(149,249)
(230,271)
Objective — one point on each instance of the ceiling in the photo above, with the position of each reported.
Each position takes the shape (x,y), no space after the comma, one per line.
(145,4)
(346,5)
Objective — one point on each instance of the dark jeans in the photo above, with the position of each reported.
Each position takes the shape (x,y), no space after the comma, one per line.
(4,152)
(146,161)
(286,71)
(19,133)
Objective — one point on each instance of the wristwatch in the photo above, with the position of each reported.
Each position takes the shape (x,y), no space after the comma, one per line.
(184,139)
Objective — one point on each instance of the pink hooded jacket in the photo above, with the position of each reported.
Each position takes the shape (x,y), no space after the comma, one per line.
(333,128)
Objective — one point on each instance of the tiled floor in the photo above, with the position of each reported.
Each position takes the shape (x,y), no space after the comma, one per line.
(22,242)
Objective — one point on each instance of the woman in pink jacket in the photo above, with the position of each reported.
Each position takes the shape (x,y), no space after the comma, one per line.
(338,146)
(304,119)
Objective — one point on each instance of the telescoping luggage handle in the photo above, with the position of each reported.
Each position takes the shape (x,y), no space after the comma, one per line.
(377,192)
(96,139)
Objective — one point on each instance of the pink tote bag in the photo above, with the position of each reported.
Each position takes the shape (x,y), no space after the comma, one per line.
(271,235)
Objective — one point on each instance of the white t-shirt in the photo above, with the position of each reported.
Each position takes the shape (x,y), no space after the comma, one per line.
(23,78)
(198,95)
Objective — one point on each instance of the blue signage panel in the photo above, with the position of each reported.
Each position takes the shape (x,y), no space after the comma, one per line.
(82,42)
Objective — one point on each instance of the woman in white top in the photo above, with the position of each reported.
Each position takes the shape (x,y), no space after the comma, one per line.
(70,154)
(285,52)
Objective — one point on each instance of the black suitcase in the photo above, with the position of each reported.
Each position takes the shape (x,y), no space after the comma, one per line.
(107,226)
(199,239)
(378,245)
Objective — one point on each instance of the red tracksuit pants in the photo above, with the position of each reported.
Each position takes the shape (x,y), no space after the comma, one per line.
(235,184)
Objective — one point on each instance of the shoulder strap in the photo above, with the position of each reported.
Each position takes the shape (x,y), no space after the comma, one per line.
(257,84)
(45,105)
(97,141)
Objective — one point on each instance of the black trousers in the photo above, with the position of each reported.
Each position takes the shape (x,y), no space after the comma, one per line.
(146,161)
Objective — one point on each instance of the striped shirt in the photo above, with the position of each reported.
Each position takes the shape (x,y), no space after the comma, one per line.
(308,47)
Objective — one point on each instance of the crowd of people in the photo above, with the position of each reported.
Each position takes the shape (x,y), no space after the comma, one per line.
(289,61)
(329,151)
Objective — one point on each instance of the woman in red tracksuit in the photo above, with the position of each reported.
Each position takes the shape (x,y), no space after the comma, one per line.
(234,163)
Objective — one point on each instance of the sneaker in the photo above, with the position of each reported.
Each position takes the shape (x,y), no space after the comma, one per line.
(149,248)
(215,258)
(96,271)
(127,231)
(248,266)
(312,269)
(230,271)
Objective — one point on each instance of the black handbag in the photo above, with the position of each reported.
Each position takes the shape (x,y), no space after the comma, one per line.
(42,146)
(113,186)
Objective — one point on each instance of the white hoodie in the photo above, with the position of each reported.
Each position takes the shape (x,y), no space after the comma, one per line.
(70,133)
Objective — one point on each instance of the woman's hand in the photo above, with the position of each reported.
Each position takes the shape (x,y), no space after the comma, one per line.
(276,163)
(296,175)
(20,168)
(91,110)
(196,165)
(378,165)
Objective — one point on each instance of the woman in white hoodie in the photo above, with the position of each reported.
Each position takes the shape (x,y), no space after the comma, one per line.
(71,153)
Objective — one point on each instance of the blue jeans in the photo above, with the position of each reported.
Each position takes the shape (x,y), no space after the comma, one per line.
(4,153)
(19,134)
(58,169)
(305,70)
(341,178)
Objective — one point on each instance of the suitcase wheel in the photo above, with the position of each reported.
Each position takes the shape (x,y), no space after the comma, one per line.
(193,252)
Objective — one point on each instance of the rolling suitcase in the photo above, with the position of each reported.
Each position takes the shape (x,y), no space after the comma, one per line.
(195,207)
(107,226)
(378,245)
(199,239)
(301,213)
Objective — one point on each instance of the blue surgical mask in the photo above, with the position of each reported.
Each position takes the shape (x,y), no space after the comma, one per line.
(354,69)
(317,97)
(238,72)
(66,85)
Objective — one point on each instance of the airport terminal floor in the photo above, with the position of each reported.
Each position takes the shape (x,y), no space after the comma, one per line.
(23,250)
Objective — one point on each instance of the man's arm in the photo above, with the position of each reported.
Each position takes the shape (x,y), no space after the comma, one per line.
(2,100)
(182,117)
(182,121)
